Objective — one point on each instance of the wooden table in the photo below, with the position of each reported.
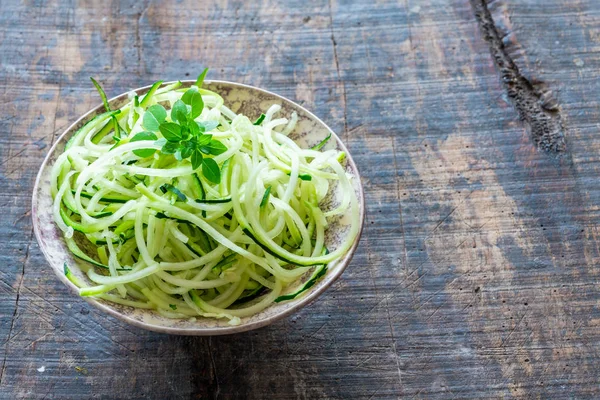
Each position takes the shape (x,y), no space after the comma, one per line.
(478,141)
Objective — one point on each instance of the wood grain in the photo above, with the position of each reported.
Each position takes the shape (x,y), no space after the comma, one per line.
(477,272)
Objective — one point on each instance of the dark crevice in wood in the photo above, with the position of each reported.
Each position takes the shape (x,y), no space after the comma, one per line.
(15,155)
(14,316)
(138,38)
(401,217)
(337,68)
(214,368)
(55,134)
(541,113)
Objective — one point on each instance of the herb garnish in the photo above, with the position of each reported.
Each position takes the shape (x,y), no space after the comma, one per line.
(182,135)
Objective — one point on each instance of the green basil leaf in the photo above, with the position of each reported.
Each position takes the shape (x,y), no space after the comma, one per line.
(185,133)
(170,148)
(197,104)
(154,116)
(186,153)
(196,159)
(188,148)
(179,112)
(214,147)
(194,128)
(210,170)
(171,131)
(187,96)
(202,140)
(143,136)
(150,123)
(194,99)
(207,126)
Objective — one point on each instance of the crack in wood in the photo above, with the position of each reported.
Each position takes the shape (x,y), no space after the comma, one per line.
(14,316)
(538,109)
(214,368)
(398,196)
(65,57)
(138,38)
(337,68)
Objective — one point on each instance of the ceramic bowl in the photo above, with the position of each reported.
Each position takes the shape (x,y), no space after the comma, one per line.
(251,102)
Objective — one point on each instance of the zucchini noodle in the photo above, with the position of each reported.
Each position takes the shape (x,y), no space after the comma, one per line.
(158,232)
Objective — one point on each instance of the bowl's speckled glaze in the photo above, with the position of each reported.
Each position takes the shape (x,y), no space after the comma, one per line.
(240,98)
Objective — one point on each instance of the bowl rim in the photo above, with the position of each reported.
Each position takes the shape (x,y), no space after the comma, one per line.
(205,331)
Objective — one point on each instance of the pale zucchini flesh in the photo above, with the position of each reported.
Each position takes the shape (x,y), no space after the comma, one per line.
(175,238)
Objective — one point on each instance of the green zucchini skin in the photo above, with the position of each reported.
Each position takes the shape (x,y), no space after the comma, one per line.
(251,295)
(213,201)
(106,199)
(317,274)
(273,253)
(83,130)
(77,252)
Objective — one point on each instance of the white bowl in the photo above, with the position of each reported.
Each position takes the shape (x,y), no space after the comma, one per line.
(251,102)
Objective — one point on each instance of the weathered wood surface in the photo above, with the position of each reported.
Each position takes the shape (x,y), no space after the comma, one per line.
(477,274)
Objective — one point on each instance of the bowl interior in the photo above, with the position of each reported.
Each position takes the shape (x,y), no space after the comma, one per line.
(243,99)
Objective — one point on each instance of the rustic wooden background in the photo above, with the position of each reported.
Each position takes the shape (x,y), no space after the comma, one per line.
(478,141)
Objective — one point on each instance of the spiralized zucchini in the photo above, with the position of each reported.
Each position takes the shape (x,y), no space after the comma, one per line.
(218,231)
